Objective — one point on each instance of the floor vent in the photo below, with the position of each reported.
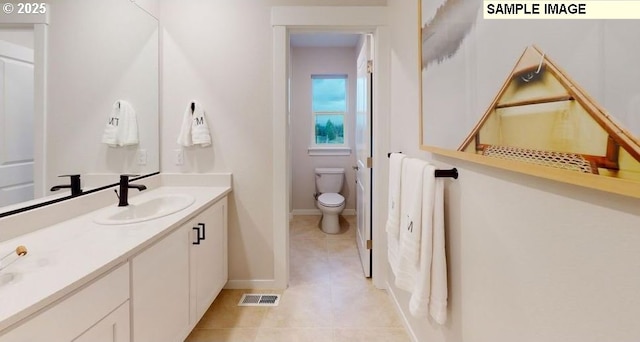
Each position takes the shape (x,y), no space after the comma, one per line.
(259,300)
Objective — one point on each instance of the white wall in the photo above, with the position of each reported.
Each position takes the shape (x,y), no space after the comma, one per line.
(151,6)
(221,54)
(99,52)
(529,259)
(307,61)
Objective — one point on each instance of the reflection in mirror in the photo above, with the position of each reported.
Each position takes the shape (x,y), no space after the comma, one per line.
(98,54)
(561,94)
(16,113)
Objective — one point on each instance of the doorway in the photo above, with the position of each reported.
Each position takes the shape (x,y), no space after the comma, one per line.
(288,20)
(329,127)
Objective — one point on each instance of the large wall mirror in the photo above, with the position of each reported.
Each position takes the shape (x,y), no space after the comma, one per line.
(558,99)
(66,74)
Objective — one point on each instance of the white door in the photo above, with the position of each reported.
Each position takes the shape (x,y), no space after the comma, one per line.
(16,123)
(363,154)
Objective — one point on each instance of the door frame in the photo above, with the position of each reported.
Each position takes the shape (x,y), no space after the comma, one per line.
(40,23)
(360,19)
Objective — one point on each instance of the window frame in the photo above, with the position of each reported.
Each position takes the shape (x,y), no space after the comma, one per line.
(324,149)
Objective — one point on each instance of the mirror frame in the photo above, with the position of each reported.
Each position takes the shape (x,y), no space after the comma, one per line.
(60,199)
(608,184)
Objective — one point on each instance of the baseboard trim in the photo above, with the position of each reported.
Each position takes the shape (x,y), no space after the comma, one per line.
(404,319)
(302,212)
(252,284)
(308,212)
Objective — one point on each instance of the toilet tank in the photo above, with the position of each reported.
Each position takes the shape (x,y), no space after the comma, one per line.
(329,179)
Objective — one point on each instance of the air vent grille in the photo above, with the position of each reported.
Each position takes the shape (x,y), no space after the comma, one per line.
(253,299)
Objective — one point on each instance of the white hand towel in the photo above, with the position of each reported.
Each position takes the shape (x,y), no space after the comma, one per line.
(130,129)
(420,296)
(410,223)
(194,129)
(393,216)
(122,126)
(199,128)
(184,137)
(110,135)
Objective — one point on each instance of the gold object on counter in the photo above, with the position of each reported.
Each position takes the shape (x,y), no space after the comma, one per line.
(20,251)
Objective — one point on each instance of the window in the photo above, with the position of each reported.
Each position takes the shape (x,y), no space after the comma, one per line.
(329,107)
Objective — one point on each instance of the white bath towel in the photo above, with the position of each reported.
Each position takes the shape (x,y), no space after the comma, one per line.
(122,126)
(439,292)
(393,216)
(410,223)
(430,292)
(395,173)
(194,129)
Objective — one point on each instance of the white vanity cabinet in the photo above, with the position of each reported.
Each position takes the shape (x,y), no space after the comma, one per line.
(158,292)
(160,289)
(98,312)
(175,280)
(209,270)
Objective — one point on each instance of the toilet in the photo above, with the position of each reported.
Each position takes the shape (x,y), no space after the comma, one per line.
(330,202)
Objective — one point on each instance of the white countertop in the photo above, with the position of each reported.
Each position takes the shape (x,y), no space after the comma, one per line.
(64,256)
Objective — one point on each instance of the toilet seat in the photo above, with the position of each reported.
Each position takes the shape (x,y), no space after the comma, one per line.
(331,199)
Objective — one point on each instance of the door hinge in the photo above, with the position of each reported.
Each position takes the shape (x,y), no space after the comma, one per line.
(370,66)
(369,244)
(369,162)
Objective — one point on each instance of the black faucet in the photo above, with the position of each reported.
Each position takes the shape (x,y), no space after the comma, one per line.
(74,186)
(124,189)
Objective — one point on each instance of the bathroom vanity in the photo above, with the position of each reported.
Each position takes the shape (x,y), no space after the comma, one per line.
(100,277)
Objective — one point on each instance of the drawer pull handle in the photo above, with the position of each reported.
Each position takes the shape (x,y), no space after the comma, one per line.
(199,237)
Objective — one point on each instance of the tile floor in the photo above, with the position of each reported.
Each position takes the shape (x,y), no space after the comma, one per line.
(328,298)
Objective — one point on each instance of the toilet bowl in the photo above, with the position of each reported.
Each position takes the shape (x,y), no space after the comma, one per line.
(331,205)
(328,199)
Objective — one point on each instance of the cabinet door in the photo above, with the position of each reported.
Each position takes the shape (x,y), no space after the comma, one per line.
(74,315)
(113,328)
(160,290)
(209,271)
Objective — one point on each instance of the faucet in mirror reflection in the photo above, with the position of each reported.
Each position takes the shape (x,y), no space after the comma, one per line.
(122,126)
(194,129)
(74,185)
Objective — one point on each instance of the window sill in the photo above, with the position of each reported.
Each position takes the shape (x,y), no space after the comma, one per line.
(329,151)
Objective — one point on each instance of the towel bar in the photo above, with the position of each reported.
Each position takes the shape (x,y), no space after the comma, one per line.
(452,173)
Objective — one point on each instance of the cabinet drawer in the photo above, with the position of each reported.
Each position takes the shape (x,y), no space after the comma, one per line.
(71,316)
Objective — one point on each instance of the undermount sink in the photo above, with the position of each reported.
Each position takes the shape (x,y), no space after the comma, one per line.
(145,209)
